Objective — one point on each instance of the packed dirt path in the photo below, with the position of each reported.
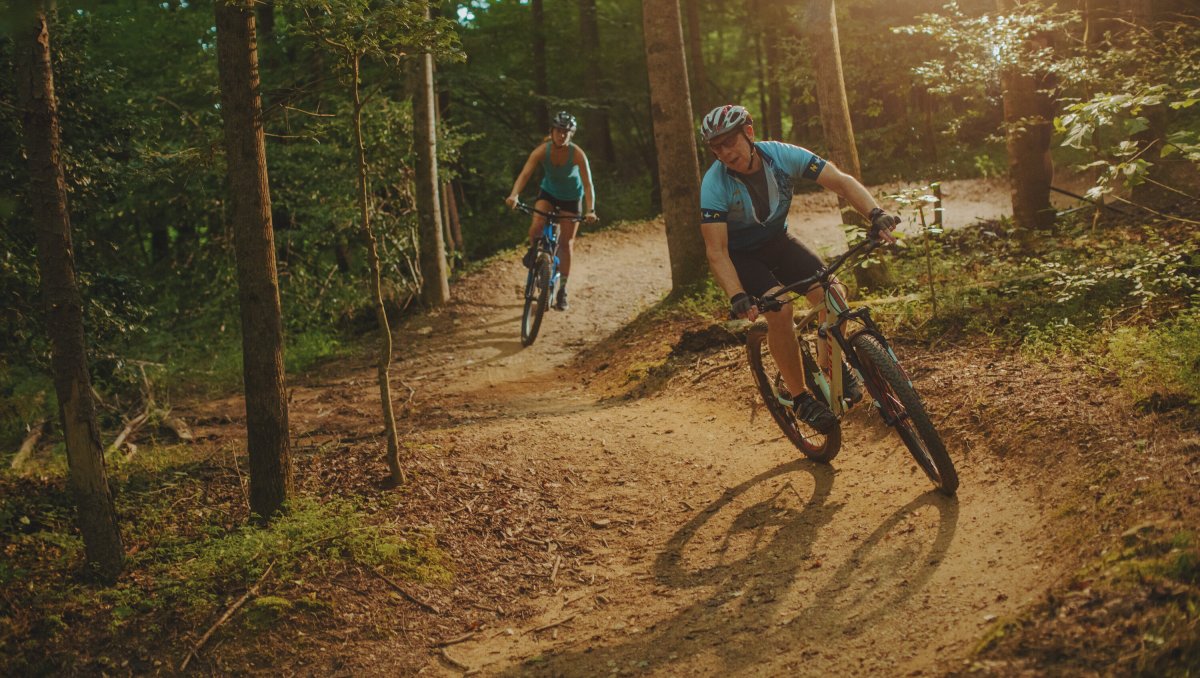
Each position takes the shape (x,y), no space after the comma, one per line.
(713,550)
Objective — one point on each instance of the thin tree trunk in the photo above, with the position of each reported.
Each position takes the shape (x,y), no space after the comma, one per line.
(761,72)
(396,472)
(674,138)
(775,16)
(266,18)
(254,245)
(598,130)
(96,514)
(540,86)
(701,102)
(435,289)
(929,132)
(447,233)
(835,119)
(455,221)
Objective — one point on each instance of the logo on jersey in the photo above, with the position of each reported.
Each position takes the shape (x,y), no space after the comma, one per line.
(711,214)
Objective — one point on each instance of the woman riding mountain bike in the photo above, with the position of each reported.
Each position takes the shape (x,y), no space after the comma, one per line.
(744,202)
(566,188)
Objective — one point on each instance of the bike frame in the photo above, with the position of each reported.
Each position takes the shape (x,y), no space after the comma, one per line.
(837,315)
(547,242)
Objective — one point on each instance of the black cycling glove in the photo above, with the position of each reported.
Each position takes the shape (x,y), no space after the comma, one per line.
(740,304)
(882,222)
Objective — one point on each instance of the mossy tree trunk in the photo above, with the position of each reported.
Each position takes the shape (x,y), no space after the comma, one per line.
(88,480)
(254,245)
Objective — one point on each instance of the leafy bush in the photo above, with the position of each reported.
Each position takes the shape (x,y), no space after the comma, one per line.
(1055,339)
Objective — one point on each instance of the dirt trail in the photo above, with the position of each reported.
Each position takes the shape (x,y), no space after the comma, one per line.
(715,552)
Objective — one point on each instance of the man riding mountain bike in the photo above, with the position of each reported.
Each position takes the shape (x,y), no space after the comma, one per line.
(744,202)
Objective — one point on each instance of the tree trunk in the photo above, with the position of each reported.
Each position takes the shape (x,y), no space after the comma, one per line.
(396,472)
(695,52)
(835,119)
(266,18)
(540,87)
(96,515)
(775,17)
(927,104)
(1028,125)
(674,138)
(254,246)
(435,289)
(598,130)
(764,124)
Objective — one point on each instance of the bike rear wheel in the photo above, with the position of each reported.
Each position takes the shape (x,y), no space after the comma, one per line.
(816,446)
(537,298)
(900,402)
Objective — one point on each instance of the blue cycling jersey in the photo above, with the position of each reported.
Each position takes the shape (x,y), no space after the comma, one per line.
(724,197)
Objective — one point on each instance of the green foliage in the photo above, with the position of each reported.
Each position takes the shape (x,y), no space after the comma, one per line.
(987,167)
(1084,283)
(26,397)
(1044,343)
(187,559)
(1127,99)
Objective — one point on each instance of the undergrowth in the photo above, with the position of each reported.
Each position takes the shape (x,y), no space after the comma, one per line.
(1122,297)
(188,557)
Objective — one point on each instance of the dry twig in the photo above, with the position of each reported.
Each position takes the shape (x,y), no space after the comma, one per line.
(411,598)
(36,431)
(547,627)
(454,662)
(253,591)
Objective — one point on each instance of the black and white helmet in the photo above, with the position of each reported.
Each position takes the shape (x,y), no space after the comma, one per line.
(563,120)
(722,119)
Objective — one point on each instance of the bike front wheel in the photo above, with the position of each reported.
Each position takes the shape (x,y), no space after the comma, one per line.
(902,407)
(816,446)
(537,297)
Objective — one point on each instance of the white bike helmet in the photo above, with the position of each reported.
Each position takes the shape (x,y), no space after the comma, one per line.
(564,120)
(722,119)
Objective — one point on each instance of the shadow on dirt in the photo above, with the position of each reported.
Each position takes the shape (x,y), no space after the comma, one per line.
(755,548)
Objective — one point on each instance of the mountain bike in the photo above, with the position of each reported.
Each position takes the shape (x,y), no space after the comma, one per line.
(542,283)
(854,336)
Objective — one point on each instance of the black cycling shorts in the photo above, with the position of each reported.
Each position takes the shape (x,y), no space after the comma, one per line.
(782,260)
(570,206)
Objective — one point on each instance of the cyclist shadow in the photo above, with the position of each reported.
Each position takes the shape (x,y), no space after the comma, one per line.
(761,573)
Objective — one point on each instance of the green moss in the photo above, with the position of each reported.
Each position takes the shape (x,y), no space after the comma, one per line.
(263,613)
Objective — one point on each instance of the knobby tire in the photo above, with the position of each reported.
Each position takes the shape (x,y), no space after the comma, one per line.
(536,301)
(816,446)
(892,390)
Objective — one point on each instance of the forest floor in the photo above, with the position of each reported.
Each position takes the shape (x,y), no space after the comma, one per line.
(614,500)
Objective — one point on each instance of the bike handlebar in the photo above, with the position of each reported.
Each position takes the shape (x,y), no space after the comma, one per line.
(772,302)
(552,216)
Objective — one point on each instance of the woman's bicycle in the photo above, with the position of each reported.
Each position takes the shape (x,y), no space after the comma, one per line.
(854,335)
(542,283)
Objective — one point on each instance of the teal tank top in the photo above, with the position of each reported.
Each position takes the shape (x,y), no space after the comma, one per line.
(562,182)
